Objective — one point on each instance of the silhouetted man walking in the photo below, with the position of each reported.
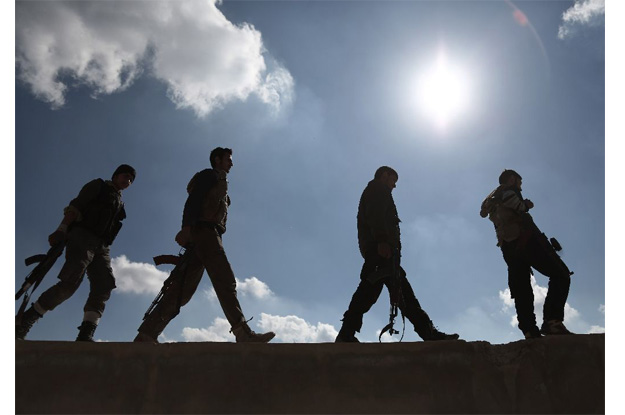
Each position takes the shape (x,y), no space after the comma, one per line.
(89,226)
(380,246)
(203,224)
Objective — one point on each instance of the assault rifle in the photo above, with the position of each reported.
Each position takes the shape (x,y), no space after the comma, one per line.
(34,278)
(396,297)
(179,272)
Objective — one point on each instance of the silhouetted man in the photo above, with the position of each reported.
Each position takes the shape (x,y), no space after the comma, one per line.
(524,246)
(203,224)
(89,226)
(380,246)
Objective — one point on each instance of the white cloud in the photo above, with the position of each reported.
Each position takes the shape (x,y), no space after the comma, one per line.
(506,298)
(219,331)
(137,277)
(596,329)
(288,329)
(582,13)
(602,308)
(293,329)
(204,59)
(252,287)
(571,315)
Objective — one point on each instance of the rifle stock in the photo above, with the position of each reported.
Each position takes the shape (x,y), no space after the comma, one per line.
(167,259)
(180,261)
(34,278)
(46,261)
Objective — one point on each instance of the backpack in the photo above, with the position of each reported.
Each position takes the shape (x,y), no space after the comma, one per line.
(491,202)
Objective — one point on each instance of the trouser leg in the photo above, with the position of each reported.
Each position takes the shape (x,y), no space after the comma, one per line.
(559,279)
(366,294)
(364,297)
(102,283)
(78,256)
(177,295)
(519,282)
(411,309)
(210,251)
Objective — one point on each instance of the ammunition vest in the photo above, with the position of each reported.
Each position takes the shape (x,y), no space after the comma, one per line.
(103,215)
(377,219)
(214,208)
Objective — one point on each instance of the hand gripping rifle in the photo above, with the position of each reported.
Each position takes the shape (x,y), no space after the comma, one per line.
(34,278)
(179,272)
(396,297)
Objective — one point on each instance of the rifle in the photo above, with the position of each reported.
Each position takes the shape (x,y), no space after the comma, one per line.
(34,278)
(180,261)
(551,245)
(396,297)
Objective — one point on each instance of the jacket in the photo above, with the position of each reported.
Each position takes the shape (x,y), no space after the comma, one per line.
(100,209)
(208,199)
(507,210)
(377,219)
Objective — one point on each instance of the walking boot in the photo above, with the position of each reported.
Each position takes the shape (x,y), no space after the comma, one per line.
(532,333)
(29,318)
(432,333)
(244,334)
(346,336)
(554,327)
(87,329)
(439,335)
(145,338)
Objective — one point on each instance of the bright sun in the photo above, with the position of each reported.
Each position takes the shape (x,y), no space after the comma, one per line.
(442,92)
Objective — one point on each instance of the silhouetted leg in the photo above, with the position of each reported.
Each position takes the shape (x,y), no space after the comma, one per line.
(177,295)
(102,283)
(412,310)
(559,280)
(520,286)
(78,256)
(210,250)
(363,299)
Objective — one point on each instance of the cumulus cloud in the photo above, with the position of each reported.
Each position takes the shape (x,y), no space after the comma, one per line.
(205,60)
(582,13)
(249,287)
(219,331)
(571,315)
(137,277)
(254,287)
(596,330)
(288,329)
(293,329)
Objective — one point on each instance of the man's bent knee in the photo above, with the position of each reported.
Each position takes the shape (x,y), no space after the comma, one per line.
(57,294)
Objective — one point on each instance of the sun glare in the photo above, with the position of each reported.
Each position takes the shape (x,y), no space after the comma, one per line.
(442,92)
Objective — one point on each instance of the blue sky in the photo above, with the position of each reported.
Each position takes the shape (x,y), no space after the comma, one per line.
(313,97)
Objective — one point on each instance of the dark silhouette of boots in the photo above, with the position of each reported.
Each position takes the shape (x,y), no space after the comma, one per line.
(29,318)
(87,329)
(244,334)
(435,334)
(346,336)
(425,328)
